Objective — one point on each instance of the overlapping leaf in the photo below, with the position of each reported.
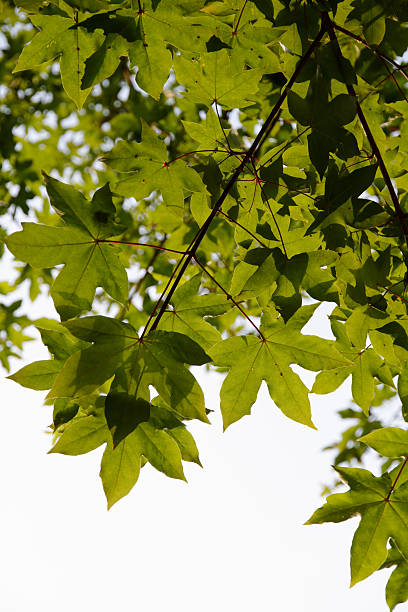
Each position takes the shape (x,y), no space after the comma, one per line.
(157,360)
(148,169)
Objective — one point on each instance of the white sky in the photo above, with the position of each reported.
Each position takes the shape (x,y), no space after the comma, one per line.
(232,539)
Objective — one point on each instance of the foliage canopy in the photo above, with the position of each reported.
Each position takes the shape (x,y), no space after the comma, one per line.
(241,162)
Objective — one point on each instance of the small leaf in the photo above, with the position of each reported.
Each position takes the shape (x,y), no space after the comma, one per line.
(388,441)
(374,25)
(82,435)
(120,468)
(39,375)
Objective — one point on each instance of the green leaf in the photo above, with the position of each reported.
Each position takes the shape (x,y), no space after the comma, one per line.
(92,6)
(38,375)
(299,108)
(149,169)
(255,359)
(82,435)
(383,511)
(120,466)
(190,311)
(208,133)
(73,43)
(329,380)
(186,444)
(374,25)
(154,62)
(396,591)
(180,347)
(103,63)
(215,78)
(388,441)
(123,414)
(86,370)
(89,262)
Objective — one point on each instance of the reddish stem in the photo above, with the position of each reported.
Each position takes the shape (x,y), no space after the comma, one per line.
(229,297)
(234,32)
(141,244)
(396,479)
(193,153)
(242,227)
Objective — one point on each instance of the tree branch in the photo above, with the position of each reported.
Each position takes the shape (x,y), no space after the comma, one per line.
(251,152)
(374,147)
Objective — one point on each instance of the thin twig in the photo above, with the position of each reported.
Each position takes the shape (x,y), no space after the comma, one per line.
(270,210)
(234,32)
(396,479)
(283,148)
(396,65)
(220,212)
(397,295)
(229,297)
(141,244)
(368,133)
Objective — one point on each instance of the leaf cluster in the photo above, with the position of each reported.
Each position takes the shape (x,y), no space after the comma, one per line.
(214,171)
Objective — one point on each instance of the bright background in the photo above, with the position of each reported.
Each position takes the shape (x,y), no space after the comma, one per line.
(232,539)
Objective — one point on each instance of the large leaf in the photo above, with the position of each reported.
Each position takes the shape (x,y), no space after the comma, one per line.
(89,263)
(253,359)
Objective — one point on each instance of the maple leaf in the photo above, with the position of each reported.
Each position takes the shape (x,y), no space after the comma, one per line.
(253,359)
(89,261)
(148,169)
(62,37)
(216,78)
(116,349)
(368,365)
(383,507)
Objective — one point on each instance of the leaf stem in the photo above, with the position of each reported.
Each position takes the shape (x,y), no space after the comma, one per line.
(194,152)
(242,227)
(396,479)
(234,32)
(142,244)
(229,297)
